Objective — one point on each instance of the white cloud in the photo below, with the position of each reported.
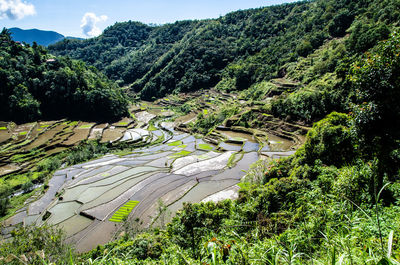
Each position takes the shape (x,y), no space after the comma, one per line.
(16,9)
(89,21)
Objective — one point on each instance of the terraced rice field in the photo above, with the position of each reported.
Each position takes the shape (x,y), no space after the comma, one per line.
(123,212)
(26,144)
(91,200)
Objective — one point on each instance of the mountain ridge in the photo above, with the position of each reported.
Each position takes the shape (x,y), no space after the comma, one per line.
(41,37)
(234,51)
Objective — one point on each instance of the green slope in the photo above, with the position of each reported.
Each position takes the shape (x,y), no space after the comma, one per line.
(241,48)
(36,85)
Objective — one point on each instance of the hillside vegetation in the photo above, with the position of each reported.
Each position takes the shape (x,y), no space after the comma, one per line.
(333,64)
(36,85)
(231,52)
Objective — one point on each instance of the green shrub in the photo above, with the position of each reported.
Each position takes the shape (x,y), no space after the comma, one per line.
(354,182)
(4,200)
(37,245)
(330,140)
(196,220)
(49,164)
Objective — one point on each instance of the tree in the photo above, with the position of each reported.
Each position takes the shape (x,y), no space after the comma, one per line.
(330,141)
(340,23)
(376,79)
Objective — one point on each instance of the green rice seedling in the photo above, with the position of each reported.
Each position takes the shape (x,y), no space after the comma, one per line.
(176,143)
(3,128)
(123,212)
(73,123)
(205,147)
(180,154)
(231,160)
(152,128)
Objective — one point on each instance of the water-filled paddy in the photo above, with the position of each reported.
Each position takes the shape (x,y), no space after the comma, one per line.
(82,199)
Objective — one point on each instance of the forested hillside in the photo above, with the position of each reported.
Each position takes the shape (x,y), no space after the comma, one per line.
(232,52)
(36,85)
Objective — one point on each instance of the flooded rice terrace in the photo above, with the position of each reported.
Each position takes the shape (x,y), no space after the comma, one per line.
(92,200)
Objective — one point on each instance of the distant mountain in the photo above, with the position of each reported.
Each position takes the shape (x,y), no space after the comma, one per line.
(41,37)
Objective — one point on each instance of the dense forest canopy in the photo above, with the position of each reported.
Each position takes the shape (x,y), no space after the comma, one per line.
(231,52)
(36,85)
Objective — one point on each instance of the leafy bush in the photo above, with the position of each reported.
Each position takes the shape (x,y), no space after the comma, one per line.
(354,182)
(35,245)
(196,220)
(366,35)
(330,141)
(4,200)
(49,164)
(85,151)
(205,122)
(375,78)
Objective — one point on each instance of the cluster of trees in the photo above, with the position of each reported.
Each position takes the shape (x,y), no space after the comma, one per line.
(36,85)
(246,46)
(322,73)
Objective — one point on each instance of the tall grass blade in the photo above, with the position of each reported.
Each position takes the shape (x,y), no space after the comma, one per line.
(334,256)
(390,243)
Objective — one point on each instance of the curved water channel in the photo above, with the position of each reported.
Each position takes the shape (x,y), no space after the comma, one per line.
(86,200)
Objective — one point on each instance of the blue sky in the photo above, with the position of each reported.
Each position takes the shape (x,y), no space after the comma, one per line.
(85,18)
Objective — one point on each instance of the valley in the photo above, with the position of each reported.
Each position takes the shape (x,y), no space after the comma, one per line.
(159,164)
(263,136)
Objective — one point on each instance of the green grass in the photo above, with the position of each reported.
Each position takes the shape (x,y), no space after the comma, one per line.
(123,153)
(204,157)
(231,160)
(123,212)
(16,203)
(44,126)
(87,126)
(205,147)
(176,143)
(123,123)
(182,146)
(205,111)
(72,123)
(3,128)
(239,139)
(180,154)
(152,128)
(22,157)
(17,180)
(234,159)
(23,133)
